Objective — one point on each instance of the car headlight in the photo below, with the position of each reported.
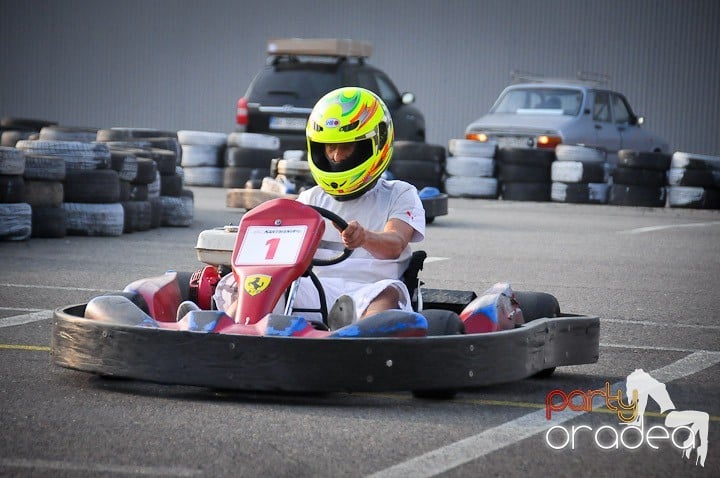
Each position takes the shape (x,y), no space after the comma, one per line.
(482,137)
(548,142)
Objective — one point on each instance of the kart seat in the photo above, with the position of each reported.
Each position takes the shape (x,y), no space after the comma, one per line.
(410,276)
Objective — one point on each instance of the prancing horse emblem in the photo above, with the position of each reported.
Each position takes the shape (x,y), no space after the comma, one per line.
(256,283)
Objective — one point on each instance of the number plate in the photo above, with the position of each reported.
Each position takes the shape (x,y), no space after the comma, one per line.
(287,122)
(265,245)
(514,141)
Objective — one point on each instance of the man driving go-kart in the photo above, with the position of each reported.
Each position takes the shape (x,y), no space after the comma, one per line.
(350,145)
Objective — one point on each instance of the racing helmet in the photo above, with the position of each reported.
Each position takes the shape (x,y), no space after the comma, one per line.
(349,115)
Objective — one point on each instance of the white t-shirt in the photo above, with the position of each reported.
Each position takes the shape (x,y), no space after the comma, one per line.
(387,200)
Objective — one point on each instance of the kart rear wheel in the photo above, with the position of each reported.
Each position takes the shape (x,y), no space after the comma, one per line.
(536,305)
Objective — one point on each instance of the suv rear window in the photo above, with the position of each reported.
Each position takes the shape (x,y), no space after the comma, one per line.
(274,85)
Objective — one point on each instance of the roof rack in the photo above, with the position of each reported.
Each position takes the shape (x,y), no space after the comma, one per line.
(583,77)
(332,47)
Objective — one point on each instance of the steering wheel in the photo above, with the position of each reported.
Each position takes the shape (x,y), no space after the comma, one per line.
(342,224)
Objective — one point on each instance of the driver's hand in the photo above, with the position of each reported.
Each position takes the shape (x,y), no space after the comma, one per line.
(354,235)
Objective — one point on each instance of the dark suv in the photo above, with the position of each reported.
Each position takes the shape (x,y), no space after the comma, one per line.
(300,71)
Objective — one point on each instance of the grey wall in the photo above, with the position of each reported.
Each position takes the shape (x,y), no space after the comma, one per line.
(182,64)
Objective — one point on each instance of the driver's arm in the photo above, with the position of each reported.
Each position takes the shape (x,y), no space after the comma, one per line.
(386,244)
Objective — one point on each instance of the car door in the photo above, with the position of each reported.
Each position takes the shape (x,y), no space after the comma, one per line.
(607,135)
(631,136)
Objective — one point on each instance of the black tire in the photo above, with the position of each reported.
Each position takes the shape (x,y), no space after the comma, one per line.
(443,322)
(514,191)
(238,176)
(146,171)
(420,172)
(44,193)
(49,222)
(644,160)
(99,186)
(171,185)
(249,157)
(698,178)
(643,196)
(693,197)
(45,168)
(440,394)
(577,172)
(125,163)
(526,156)
(537,305)
(579,193)
(418,151)
(522,173)
(639,177)
(12,189)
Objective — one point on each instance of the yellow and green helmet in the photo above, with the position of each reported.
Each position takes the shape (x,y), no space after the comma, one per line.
(350,115)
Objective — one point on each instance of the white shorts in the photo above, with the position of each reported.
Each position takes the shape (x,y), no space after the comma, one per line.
(307,296)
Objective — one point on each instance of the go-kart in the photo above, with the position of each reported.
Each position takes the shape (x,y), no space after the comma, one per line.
(453,339)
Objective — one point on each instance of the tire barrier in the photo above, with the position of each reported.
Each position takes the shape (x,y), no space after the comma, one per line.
(58,180)
(471,169)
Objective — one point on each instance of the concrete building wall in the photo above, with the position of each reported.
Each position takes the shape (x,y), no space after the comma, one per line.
(181,64)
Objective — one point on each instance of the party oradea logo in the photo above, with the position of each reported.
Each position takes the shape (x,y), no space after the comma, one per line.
(686,430)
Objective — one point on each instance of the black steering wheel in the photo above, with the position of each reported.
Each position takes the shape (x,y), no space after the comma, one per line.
(342,224)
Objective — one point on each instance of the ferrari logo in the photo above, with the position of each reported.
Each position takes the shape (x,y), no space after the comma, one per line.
(256,283)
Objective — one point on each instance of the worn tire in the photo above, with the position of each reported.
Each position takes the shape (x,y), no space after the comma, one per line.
(15,221)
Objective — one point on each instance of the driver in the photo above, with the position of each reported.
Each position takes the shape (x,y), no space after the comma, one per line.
(350,144)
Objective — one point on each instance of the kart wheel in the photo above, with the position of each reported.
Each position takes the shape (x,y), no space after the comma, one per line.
(544,373)
(536,305)
(443,322)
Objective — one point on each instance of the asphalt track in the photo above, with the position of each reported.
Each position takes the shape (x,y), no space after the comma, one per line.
(651,275)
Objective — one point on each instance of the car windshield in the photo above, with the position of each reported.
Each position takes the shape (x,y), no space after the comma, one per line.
(552,101)
(283,85)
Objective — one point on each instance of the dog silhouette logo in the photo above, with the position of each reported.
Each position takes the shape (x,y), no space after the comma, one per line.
(643,386)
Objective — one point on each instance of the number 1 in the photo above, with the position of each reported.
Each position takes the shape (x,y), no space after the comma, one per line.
(272,248)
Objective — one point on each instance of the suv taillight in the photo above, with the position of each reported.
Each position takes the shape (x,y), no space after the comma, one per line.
(241,115)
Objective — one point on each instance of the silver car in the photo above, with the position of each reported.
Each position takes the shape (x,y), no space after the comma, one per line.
(545,114)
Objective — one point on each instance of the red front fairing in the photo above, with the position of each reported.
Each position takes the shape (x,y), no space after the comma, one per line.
(275,244)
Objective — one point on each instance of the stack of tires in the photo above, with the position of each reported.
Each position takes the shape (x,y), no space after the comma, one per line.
(248,158)
(524,173)
(639,179)
(694,181)
(579,175)
(15,213)
(203,157)
(471,169)
(13,130)
(147,162)
(91,190)
(420,164)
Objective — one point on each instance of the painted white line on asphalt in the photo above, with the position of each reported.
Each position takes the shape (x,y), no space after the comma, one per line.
(83,289)
(472,448)
(97,467)
(641,230)
(21,309)
(26,318)
(652,347)
(658,324)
